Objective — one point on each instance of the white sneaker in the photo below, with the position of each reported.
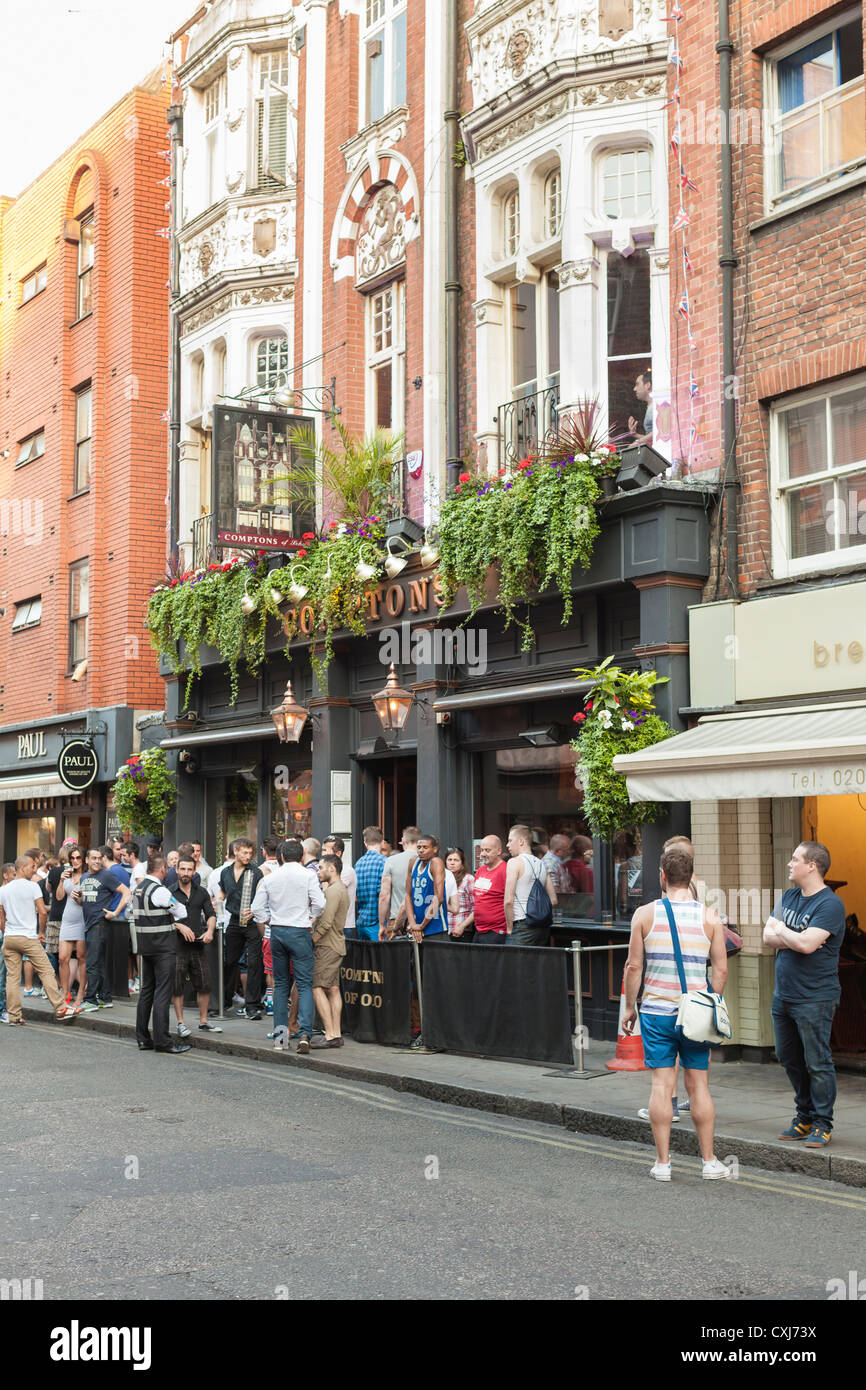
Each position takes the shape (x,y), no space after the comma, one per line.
(4,1017)
(182,1030)
(713,1168)
(661,1172)
(644,1115)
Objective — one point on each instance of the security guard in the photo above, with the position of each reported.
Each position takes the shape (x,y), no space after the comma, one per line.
(156,916)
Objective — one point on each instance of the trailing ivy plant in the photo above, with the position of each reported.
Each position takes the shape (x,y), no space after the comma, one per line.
(533,526)
(144,792)
(617,717)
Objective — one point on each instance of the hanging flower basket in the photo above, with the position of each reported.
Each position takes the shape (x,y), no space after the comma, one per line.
(144,792)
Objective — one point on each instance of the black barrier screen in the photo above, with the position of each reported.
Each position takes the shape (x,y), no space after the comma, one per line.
(497,1001)
(376,981)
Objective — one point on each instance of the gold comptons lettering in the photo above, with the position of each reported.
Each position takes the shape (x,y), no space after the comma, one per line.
(362,977)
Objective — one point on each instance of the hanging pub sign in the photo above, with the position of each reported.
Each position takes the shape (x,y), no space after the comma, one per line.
(256,502)
(77,765)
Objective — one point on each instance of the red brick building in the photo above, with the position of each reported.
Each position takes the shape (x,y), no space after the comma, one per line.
(84,367)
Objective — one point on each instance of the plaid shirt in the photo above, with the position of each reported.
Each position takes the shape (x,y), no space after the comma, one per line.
(369,869)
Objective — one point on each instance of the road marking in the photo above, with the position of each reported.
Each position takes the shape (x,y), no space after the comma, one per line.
(586,1144)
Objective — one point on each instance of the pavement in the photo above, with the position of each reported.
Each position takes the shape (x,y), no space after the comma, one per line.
(753,1100)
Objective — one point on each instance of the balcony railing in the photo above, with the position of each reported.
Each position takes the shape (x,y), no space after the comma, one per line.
(524,424)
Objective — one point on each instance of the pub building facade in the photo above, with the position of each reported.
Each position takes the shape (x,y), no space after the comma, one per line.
(487,740)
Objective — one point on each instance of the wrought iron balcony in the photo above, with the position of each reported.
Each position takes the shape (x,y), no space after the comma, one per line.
(202,532)
(524,424)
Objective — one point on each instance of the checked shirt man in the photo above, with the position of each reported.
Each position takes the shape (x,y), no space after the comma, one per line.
(807,928)
(369,868)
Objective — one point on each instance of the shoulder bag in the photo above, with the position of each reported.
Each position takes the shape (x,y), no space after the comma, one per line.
(703,1015)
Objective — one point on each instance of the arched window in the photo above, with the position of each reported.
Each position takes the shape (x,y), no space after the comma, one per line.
(511,223)
(553,204)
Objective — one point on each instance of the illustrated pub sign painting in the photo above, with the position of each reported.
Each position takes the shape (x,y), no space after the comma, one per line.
(256,502)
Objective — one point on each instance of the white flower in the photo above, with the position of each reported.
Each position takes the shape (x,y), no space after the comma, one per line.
(604,718)
(627,724)
(583,458)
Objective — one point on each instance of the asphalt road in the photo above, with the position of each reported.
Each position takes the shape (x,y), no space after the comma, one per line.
(132,1175)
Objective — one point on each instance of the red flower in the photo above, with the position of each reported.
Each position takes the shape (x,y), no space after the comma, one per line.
(301,554)
(308,536)
(615,700)
(464,478)
(502,472)
(458,488)
(524,464)
(333,526)
(579,718)
(589,704)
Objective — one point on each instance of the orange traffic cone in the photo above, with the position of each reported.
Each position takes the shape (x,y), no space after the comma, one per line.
(629,1046)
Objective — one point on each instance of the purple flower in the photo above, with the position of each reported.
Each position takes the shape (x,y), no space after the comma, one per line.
(507,487)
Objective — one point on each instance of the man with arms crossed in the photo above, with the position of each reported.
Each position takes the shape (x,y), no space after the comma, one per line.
(702,938)
(807,928)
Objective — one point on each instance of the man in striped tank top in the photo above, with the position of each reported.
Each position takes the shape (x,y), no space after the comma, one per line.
(702,943)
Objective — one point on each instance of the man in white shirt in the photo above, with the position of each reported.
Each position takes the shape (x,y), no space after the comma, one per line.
(335,845)
(202,867)
(524,870)
(23,916)
(290,899)
(137,867)
(270,862)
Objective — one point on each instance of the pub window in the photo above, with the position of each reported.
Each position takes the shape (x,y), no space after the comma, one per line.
(626,185)
(28,613)
(628,335)
(84,304)
(79,608)
(386,350)
(384,57)
(511,224)
(214,100)
(272,360)
(553,204)
(271,119)
(83,427)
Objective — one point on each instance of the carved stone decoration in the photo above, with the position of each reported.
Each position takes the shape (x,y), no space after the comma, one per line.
(524,125)
(381,241)
(238,299)
(480,313)
(235,118)
(234,181)
(235,55)
(205,257)
(517,52)
(660,259)
(576,272)
(615,18)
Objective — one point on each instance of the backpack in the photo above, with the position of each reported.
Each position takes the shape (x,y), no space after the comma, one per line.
(539,912)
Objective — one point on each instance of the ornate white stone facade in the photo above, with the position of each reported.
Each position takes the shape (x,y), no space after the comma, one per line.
(227,245)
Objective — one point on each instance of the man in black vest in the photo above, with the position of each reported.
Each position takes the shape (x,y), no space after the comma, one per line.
(157,915)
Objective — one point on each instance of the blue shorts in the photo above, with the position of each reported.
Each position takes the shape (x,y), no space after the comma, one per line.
(662,1045)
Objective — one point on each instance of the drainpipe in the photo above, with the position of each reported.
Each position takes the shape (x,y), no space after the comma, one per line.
(453,462)
(728,263)
(174,116)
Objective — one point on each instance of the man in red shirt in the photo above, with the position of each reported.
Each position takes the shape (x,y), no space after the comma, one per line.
(490,925)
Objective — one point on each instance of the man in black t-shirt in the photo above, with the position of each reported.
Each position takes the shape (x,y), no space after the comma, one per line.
(807,928)
(96,893)
(238,883)
(192,961)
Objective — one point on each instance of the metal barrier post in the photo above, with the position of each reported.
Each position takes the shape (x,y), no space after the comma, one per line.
(418,983)
(220,967)
(578,951)
(578,1000)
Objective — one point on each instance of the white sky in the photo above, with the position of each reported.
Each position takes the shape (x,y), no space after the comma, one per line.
(62,65)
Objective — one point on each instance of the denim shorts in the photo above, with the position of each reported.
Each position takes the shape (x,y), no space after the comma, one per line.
(662,1045)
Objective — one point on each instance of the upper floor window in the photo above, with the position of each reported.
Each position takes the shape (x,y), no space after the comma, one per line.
(31,448)
(819,107)
(79,609)
(214,100)
(629,352)
(511,223)
(272,360)
(384,50)
(85,265)
(818,456)
(83,428)
(626,185)
(271,119)
(553,204)
(386,351)
(34,283)
(28,613)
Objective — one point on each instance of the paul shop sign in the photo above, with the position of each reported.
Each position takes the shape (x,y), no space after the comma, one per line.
(78,765)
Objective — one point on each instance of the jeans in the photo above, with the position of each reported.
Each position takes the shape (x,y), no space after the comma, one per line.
(238,939)
(98,981)
(803,1049)
(158,965)
(295,944)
